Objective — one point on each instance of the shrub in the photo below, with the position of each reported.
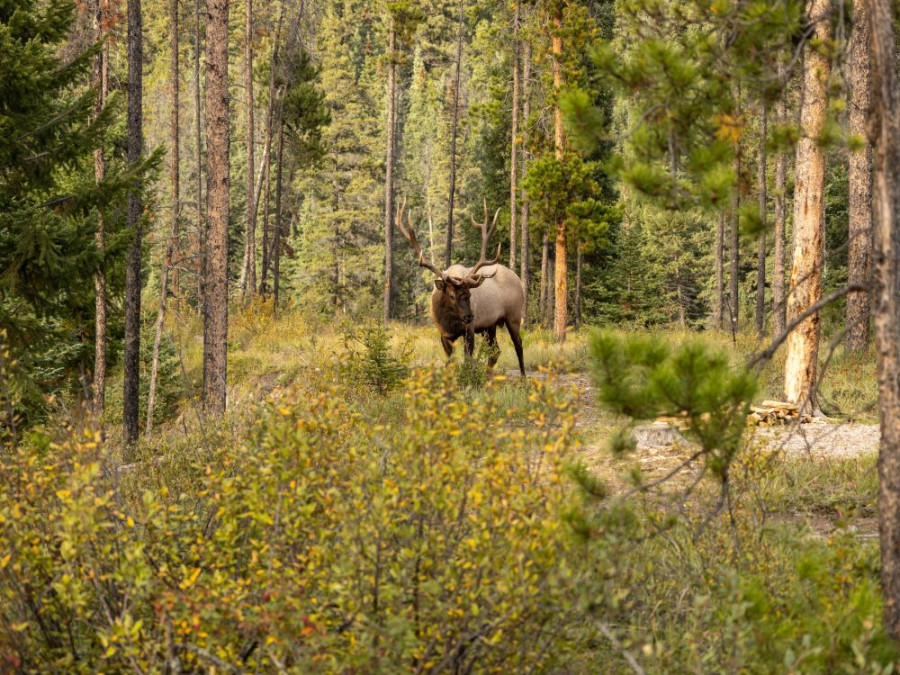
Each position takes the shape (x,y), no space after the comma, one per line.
(371,361)
(320,544)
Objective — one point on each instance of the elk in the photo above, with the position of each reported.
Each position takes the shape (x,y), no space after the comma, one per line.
(470,300)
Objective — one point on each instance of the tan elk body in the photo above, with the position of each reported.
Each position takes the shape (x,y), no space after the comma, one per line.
(470,300)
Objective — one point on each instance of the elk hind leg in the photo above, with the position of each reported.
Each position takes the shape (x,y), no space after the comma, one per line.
(490,337)
(516,337)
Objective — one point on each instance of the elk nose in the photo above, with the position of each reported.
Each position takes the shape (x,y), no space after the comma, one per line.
(468,318)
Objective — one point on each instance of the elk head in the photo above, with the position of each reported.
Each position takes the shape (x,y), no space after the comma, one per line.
(456,291)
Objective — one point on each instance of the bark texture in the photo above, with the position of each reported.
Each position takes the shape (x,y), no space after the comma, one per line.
(885,128)
(859,174)
(561,268)
(248,281)
(134,149)
(215,325)
(809,221)
(389,179)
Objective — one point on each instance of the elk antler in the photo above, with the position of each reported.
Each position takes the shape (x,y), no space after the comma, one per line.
(410,236)
(485,231)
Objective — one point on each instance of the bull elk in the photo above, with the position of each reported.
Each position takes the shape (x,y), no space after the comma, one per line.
(470,300)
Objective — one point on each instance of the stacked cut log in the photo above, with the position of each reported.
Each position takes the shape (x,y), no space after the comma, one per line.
(774,413)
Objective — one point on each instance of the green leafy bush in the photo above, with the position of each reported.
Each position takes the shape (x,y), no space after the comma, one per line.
(371,361)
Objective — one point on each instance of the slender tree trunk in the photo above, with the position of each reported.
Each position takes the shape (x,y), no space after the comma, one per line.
(134,150)
(734,299)
(859,175)
(454,130)
(778,299)
(198,140)
(176,214)
(267,247)
(561,267)
(579,261)
(761,254)
(885,129)
(719,308)
(215,328)
(524,262)
(545,277)
(809,221)
(102,84)
(514,145)
(389,179)
(279,214)
(248,273)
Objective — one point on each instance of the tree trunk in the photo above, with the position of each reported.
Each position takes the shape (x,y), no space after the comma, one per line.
(524,262)
(279,214)
(198,127)
(761,254)
(266,243)
(809,221)
(513,146)
(389,179)
(859,174)
(215,325)
(579,260)
(176,214)
(778,299)
(734,299)
(885,128)
(248,273)
(545,276)
(134,150)
(561,268)
(102,84)
(454,130)
(719,307)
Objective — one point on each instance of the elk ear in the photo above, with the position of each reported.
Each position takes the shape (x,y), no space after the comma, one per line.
(439,285)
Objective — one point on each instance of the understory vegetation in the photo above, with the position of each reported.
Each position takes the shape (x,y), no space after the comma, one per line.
(366,508)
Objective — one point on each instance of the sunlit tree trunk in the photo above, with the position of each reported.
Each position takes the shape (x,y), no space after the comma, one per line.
(198,140)
(809,220)
(561,268)
(859,174)
(218,195)
(134,149)
(454,132)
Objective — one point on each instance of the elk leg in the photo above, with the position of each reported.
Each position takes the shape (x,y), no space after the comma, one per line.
(470,343)
(517,342)
(447,344)
(493,350)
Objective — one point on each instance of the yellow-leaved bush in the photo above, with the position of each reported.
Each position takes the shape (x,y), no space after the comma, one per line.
(428,541)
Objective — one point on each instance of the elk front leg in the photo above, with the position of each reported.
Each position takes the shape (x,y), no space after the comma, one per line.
(470,343)
(447,344)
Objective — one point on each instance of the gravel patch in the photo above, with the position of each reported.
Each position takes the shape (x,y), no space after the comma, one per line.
(822,439)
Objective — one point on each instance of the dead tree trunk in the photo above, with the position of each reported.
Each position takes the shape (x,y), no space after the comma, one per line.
(809,221)
(135,144)
(859,174)
(215,325)
(734,299)
(561,268)
(198,140)
(719,307)
(778,299)
(248,272)
(545,277)
(279,214)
